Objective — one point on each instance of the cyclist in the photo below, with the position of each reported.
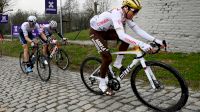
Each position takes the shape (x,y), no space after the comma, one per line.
(51,28)
(109,26)
(25,35)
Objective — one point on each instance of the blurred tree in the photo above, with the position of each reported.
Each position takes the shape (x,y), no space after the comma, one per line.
(4,4)
(70,8)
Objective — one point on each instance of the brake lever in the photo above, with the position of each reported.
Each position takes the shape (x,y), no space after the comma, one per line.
(165,44)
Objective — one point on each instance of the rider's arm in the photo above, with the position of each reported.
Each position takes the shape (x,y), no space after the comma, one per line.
(117,22)
(127,38)
(41,33)
(43,36)
(59,34)
(140,31)
(28,39)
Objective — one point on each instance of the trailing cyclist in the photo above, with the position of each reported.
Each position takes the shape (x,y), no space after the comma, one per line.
(109,26)
(49,29)
(26,35)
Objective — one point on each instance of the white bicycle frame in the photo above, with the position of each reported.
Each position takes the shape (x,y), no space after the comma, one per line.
(136,50)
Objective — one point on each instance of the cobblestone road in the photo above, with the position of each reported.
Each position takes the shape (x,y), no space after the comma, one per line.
(65,93)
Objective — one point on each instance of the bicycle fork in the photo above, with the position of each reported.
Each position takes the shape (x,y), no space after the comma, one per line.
(150,75)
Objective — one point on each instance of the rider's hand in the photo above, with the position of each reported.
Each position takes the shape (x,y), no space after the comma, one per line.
(54,41)
(160,42)
(145,47)
(32,43)
(65,41)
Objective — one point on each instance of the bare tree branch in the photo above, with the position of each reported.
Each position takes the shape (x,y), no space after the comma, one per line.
(103,5)
(4,4)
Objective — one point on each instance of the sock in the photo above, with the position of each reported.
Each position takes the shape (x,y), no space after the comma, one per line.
(118,61)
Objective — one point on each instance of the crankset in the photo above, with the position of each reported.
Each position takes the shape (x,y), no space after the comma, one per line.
(114,84)
(92,80)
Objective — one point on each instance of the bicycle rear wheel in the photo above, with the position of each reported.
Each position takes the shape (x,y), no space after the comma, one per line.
(43,68)
(22,63)
(62,59)
(171,91)
(88,66)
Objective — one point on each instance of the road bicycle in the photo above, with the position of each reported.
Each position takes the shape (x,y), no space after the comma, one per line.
(42,62)
(156,84)
(57,54)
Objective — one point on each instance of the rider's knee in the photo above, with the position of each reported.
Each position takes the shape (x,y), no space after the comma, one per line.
(107,57)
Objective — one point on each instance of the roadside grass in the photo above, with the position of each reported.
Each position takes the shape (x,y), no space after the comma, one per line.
(77,35)
(187,64)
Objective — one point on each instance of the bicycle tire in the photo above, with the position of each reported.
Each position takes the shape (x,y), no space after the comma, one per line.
(91,84)
(22,65)
(62,62)
(178,103)
(41,66)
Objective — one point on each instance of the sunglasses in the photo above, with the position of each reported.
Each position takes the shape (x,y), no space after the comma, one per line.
(134,10)
(32,22)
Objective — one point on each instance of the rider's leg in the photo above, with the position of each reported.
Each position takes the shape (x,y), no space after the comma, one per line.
(102,48)
(26,53)
(26,58)
(44,50)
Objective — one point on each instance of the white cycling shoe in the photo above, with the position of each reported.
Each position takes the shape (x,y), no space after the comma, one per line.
(104,88)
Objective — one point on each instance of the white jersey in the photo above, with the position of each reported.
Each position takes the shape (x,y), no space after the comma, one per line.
(112,19)
(115,19)
(47,30)
(26,28)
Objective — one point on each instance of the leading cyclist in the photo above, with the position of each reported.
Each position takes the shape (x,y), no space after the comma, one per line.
(109,26)
(25,35)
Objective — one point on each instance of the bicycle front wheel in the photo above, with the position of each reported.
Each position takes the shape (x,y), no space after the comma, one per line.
(43,68)
(62,59)
(171,91)
(90,66)
(22,63)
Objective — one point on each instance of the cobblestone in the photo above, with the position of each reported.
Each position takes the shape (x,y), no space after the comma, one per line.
(65,92)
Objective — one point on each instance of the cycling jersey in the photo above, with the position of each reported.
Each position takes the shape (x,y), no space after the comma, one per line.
(26,30)
(47,30)
(25,27)
(114,19)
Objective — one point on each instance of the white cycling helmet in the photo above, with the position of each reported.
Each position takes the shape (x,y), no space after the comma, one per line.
(53,24)
(32,19)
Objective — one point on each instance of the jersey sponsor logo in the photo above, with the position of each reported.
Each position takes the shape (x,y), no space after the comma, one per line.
(100,47)
(102,22)
(131,41)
